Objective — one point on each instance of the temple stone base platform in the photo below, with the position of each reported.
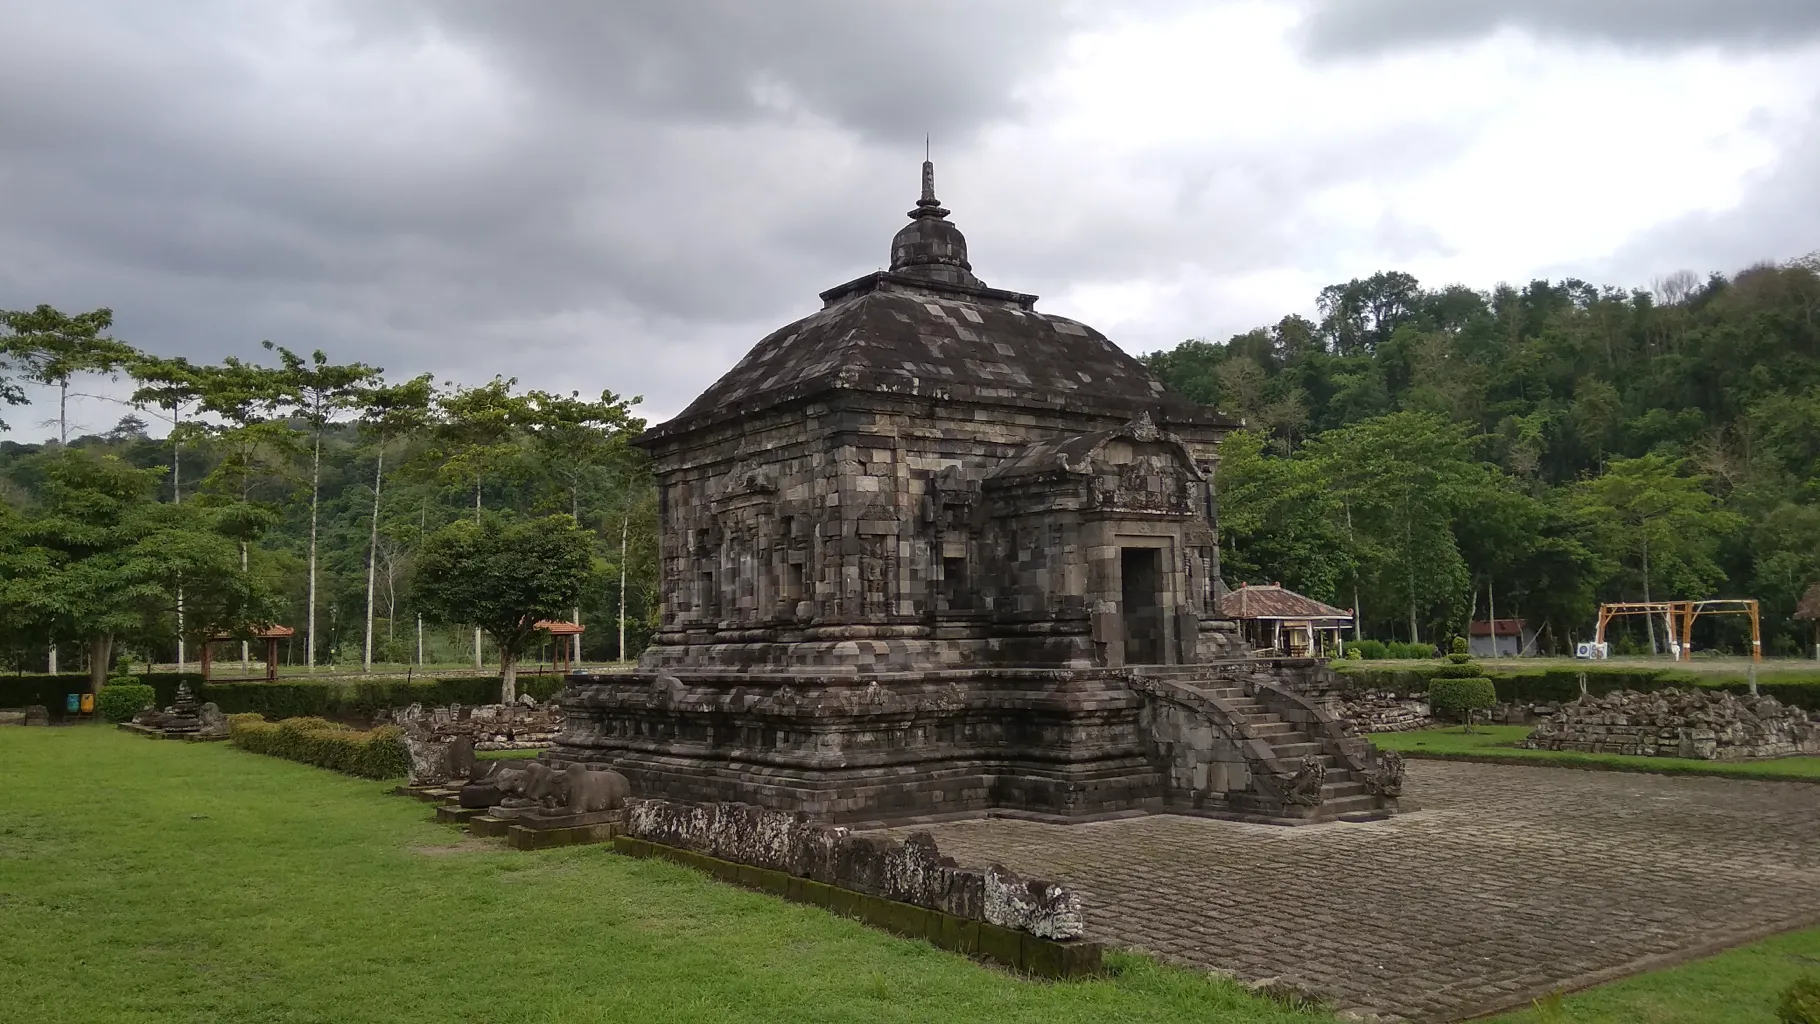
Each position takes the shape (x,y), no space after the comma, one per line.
(1225,739)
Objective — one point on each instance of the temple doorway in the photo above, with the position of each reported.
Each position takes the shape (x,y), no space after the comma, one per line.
(1140,579)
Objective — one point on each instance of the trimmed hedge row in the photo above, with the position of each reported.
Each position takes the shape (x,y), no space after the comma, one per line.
(290,698)
(376,754)
(1531,685)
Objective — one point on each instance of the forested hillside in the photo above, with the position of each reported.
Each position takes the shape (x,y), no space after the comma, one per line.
(1425,455)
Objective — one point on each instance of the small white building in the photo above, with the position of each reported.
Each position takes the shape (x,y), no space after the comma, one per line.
(1501,638)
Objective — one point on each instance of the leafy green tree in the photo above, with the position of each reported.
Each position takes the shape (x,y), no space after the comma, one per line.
(100,559)
(502,574)
(56,347)
(317,391)
(578,443)
(1647,514)
(479,434)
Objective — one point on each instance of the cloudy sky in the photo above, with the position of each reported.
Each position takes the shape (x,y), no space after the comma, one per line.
(627,195)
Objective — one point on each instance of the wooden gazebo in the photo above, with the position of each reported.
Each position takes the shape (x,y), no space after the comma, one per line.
(270,634)
(560,632)
(1275,619)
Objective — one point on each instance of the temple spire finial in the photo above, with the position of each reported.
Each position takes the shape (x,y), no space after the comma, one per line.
(928,199)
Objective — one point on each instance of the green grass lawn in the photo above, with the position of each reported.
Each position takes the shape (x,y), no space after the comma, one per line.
(1499,742)
(145,881)
(1740,986)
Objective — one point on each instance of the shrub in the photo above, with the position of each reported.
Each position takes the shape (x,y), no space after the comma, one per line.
(378,754)
(1800,1002)
(1459,646)
(1462,696)
(1399,649)
(124,697)
(1456,670)
(1370,649)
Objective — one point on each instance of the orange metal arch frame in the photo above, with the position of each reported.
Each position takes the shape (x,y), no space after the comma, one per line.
(1679,617)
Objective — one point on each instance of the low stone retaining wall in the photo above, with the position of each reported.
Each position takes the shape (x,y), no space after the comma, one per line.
(907,887)
(1702,725)
(526,725)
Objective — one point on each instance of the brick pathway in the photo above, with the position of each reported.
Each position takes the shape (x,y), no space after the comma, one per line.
(1509,882)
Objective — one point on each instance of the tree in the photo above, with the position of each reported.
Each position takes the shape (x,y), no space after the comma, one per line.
(316,391)
(502,574)
(388,413)
(1645,508)
(175,386)
(479,434)
(55,347)
(102,559)
(577,442)
(1397,478)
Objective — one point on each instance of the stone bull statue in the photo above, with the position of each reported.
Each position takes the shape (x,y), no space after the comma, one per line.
(575,789)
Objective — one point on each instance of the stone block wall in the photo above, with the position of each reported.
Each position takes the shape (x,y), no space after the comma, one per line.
(1702,725)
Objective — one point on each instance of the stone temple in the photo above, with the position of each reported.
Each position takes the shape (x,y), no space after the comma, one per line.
(930,552)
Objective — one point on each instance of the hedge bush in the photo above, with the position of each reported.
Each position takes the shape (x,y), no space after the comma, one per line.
(1462,696)
(376,754)
(331,698)
(120,701)
(1524,685)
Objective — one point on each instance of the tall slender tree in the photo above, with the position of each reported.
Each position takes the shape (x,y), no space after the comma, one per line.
(479,434)
(316,392)
(56,347)
(576,443)
(388,413)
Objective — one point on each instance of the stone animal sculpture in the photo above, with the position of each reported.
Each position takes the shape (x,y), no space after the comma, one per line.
(491,783)
(1304,786)
(1387,778)
(576,789)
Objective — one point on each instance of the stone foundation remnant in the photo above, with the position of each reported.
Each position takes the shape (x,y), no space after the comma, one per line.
(931,552)
(1700,724)
(35,714)
(184,719)
(912,871)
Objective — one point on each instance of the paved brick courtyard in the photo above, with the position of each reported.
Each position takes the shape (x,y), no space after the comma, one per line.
(1510,881)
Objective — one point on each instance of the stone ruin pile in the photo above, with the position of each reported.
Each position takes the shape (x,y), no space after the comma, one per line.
(184,719)
(522,725)
(1703,725)
(1382,711)
(912,871)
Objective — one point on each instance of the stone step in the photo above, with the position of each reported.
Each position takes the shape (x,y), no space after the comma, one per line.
(1333,808)
(1294,751)
(1342,790)
(1277,728)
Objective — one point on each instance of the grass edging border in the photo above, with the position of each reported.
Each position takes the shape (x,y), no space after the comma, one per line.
(1599,766)
(1050,959)
(1725,943)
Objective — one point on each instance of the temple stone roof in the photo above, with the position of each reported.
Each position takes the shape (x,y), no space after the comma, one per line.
(929,328)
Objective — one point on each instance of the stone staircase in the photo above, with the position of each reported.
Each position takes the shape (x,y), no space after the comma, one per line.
(1236,742)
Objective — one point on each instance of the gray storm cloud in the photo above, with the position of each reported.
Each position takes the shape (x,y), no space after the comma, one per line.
(1364,27)
(629,195)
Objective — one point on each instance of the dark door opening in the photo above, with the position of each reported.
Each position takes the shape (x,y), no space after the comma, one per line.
(1140,578)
